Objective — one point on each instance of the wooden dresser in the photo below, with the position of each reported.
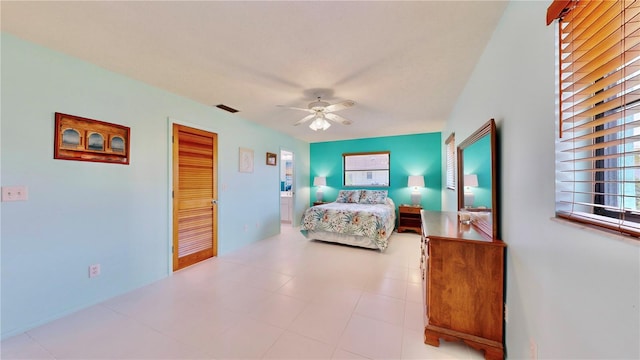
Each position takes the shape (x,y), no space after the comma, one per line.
(463,282)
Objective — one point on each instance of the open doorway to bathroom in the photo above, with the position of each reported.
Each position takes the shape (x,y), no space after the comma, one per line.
(287,188)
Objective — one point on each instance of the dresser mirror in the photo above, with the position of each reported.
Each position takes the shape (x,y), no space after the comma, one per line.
(477,178)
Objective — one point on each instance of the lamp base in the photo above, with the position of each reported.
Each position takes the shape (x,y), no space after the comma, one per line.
(469,198)
(319,196)
(416,198)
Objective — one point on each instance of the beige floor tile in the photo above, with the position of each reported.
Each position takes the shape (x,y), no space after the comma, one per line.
(382,308)
(372,338)
(278,310)
(98,332)
(243,299)
(339,296)
(387,287)
(295,346)
(23,347)
(197,331)
(303,287)
(340,354)
(414,316)
(245,340)
(414,292)
(322,322)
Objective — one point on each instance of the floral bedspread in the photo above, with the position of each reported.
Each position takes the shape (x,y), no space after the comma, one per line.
(372,221)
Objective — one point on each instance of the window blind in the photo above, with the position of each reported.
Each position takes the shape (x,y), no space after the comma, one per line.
(451,165)
(598,147)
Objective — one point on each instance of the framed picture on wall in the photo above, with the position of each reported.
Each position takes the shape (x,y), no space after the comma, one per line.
(271,159)
(82,139)
(245,160)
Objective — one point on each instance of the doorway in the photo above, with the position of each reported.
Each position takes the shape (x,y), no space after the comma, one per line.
(287,189)
(195,225)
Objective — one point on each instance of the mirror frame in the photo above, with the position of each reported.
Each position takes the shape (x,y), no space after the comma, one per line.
(488,227)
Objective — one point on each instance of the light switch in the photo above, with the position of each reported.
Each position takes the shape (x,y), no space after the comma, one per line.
(15,193)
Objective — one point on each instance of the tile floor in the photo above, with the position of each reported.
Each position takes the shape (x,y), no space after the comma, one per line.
(281,298)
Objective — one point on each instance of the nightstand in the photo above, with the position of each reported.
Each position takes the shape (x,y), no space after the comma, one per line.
(409,218)
(319,203)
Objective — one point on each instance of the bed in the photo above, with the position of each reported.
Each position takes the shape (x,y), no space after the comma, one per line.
(364,218)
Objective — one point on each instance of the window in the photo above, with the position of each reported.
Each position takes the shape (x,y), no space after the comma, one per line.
(450,144)
(70,138)
(598,147)
(95,141)
(117,144)
(366,169)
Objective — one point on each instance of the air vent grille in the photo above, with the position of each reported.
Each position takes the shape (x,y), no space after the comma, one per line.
(226,108)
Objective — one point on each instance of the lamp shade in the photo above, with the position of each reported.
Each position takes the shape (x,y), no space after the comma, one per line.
(319,181)
(471,180)
(416,180)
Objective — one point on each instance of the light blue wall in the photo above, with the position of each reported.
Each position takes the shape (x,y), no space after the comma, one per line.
(82,213)
(572,291)
(419,154)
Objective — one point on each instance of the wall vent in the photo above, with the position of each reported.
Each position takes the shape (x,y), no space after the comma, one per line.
(226,108)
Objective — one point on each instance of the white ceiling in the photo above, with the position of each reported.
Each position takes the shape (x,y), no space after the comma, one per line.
(403,63)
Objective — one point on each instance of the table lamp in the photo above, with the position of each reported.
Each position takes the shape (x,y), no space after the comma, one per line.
(416,181)
(470,180)
(319,181)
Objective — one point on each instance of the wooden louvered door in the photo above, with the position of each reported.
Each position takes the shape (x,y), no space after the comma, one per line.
(194,196)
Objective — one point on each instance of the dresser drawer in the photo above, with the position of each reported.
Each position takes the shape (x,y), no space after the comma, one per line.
(410,209)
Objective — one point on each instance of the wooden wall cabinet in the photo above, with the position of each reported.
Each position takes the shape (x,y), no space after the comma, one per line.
(463,280)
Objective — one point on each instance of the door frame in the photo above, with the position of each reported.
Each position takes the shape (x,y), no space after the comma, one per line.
(170,122)
(293,183)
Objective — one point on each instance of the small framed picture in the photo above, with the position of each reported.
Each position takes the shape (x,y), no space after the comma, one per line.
(246,160)
(271,159)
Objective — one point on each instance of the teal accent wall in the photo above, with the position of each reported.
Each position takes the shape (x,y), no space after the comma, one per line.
(119,216)
(419,154)
(477,160)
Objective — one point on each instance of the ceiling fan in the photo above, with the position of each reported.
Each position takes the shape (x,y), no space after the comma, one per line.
(322,113)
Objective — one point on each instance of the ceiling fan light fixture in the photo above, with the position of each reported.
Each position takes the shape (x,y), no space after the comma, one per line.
(321,113)
(319,123)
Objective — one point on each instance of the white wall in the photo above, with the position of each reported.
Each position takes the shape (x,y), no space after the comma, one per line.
(82,213)
(573,292)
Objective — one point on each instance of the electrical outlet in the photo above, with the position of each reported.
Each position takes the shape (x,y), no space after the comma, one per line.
(14,193)
(533,349)
(94,270)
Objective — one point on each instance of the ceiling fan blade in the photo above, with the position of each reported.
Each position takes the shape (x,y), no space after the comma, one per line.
(296,108)
(338,119)
(306,118)
(340,106)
